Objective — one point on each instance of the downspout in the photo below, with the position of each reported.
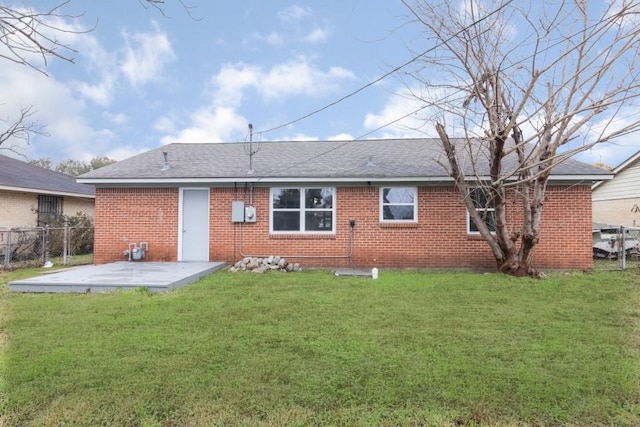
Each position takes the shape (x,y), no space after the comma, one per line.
(352,225)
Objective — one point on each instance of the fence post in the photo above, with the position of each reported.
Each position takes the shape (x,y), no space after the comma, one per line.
(623,248)
(7,252)
(65,243)
(45,244)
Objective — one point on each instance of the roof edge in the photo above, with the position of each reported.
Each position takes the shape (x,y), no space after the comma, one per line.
(41,191)
(187,181)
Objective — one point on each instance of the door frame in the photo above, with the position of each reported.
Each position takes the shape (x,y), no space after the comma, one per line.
(181,219)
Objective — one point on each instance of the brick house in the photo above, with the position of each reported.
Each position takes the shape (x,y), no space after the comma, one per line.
(32,196)
(385,203)
(617,201)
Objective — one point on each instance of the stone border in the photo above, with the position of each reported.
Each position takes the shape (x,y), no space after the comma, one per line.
(262,265)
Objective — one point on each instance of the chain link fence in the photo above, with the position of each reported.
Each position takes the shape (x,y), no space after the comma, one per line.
(28,247)
(616,248)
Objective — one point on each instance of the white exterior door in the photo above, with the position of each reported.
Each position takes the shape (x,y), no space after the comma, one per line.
(194,225)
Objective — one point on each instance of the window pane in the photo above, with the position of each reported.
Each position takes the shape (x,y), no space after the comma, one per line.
(480,199)
(398,203)
(490,220)
(286,221)
(49,209)
(398,195)
(286,198)
(318,221)
(319,198)
(397,212)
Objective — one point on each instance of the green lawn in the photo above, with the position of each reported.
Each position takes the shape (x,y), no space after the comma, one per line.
(311,349)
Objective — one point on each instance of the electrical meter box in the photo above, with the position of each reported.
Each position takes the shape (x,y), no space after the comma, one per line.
(237,211)
(250,214)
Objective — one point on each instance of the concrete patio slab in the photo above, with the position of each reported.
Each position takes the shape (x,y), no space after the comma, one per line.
(156,276)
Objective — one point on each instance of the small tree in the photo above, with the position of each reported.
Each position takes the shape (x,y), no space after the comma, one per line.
(73,167)
(519,89)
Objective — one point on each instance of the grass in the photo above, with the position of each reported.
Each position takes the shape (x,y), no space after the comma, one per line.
(311,349)
(33,265)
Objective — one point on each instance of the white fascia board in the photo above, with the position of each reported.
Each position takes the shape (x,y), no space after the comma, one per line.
(606,199)
(182,181)
(277,180)
(50,192)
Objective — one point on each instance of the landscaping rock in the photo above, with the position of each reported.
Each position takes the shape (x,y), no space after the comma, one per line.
(262,265)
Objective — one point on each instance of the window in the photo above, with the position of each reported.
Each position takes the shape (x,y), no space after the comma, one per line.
(485,207)
(49,209)
(302,210)
(398,204)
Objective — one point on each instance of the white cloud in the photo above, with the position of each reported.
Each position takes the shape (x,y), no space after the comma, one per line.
(294,13)
(341,137)
(318,35)
(216,124)
(122,153)
(273,38)
(299,137)
(397,119)
(220,120)
(299,77)
(619,149)
(165,125)
(116,118)
(101,93)
(232,80)
(146,55)
(54,32)
(55,106)
(296,77)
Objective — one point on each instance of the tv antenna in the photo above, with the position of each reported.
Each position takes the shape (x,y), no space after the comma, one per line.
(250,150)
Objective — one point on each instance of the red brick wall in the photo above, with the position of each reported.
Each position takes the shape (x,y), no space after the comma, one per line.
(124,216)
(438,240)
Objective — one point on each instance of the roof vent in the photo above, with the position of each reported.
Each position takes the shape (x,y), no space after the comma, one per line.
(165,165)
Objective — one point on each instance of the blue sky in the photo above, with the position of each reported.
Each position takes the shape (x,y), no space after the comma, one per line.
(141,79)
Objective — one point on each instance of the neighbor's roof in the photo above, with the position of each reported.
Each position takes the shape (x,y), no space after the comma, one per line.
(16,175)
(631,161)
(311,161)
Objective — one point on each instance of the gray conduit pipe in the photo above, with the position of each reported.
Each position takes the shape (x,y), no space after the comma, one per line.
(348,256)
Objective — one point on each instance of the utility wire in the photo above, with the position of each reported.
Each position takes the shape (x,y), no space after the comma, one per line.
(387,74)
(415,58)
(549,47)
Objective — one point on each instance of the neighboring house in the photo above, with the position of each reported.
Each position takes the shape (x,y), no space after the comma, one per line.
(385,203)
(32,196)
(617,201)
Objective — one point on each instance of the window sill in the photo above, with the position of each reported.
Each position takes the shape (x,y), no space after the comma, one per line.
(302,236)
(399,225)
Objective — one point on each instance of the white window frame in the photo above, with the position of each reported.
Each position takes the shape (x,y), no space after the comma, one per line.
(482,209)
(303,210)
(414,205)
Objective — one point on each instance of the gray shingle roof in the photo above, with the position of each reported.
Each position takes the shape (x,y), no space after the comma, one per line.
(18,174)
(298,160)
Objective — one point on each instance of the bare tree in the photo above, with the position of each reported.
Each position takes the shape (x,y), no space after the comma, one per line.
(517,89)
(159,5)
(21,128)
(32,38)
